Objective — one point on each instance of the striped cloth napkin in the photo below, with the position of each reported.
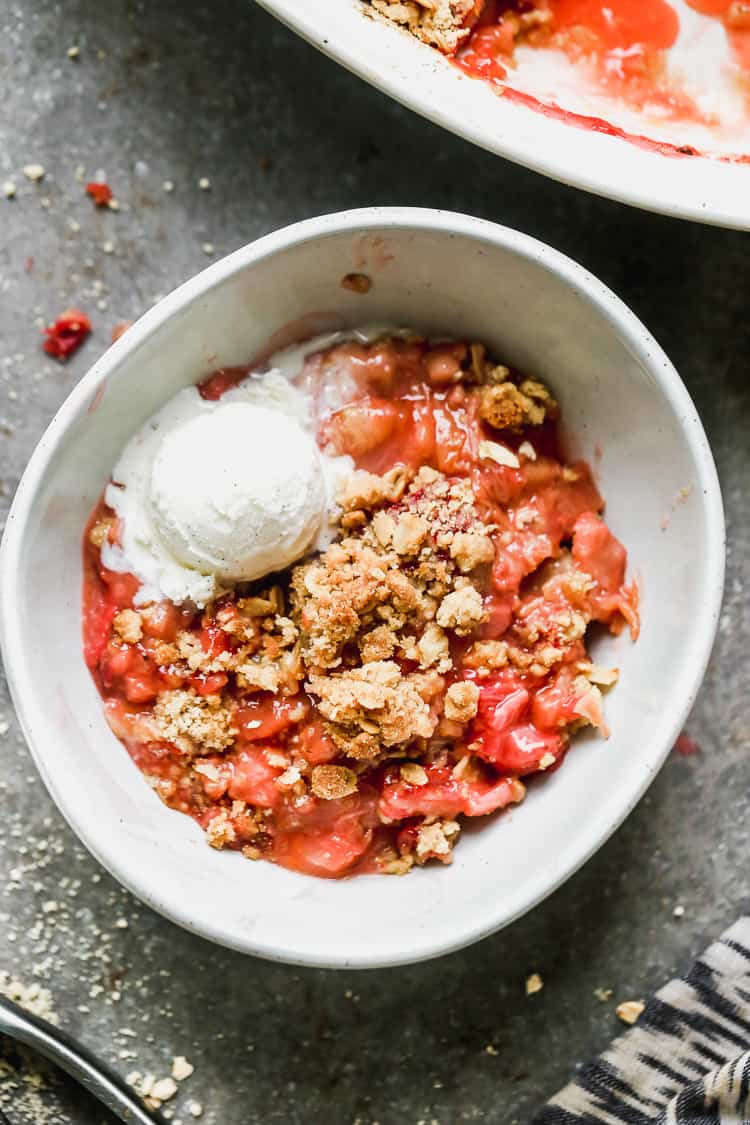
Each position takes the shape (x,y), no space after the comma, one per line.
(686,1061)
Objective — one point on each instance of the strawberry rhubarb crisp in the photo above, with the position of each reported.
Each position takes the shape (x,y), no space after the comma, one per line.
(403,648)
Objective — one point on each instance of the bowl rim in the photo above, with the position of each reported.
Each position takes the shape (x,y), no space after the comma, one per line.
(709,189)
(24,690)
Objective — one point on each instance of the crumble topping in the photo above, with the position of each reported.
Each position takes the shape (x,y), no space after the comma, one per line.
(471,549)
(461,700)
(441,23)
(372,708)
(435,840)
(413,773)
(505,406)
(355,709)
(220,830)
(194,722)
(333,782)
(100,532)
(378,586)
(127,625)
(367,490)
(461,610)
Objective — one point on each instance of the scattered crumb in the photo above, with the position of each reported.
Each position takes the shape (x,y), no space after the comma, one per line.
(603,994)
(9,189)
(630,1011)
(208,248)
(204,183)
(534,984)
(32,997)
(164,1089)
(491,1049)
(181,1068)
(73,52)
(167,186)
(195,1109)
(34,172)
(679,911)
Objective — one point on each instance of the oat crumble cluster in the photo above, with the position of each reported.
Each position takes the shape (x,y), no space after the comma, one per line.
(347,716)
(448,24)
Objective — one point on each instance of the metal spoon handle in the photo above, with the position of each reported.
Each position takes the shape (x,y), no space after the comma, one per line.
(75,1060)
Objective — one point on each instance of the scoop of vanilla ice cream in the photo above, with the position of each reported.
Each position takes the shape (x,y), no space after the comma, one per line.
(237,491)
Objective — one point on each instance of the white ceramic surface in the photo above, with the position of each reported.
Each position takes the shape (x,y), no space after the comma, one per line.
(435,271)
(706,189)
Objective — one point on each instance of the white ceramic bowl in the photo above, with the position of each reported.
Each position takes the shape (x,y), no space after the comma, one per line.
(709,190)
(435,271)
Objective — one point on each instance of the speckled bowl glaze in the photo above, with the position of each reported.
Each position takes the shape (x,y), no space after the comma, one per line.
(625,408)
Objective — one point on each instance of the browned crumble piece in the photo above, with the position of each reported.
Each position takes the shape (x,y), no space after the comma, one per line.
(371,708)
(195,656)
(413,773)
(597,674)
(461,701)
(291,780)
(466,769)
(589,704)
(435,840)
(194,723)
(165,653)
(441,23)
(333,782)
(409,533)
(363,490)
(258,606)
(391,863)
(349,587)
(275,663)
(561,631)
(352,521)
(471,549)
(432,648)
(488,655)
(462,610)
(543,405)
(428,685)
(207,769)
(504,406)
(162,786)
(383,526)
(99,532)
(127,625)
(220,830)
(378,644)
(258,675)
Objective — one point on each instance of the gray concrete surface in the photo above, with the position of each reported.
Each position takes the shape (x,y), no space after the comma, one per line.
(180,91)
